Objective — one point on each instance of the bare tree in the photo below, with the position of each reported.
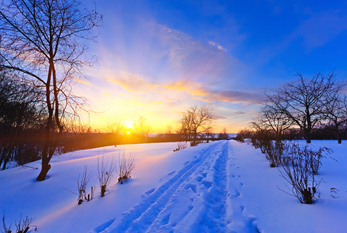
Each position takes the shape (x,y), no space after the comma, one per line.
(116,127)
(223,135)
(196,120)
(142,128)
(303,101)
(259,125)
(336,113)
(208,133)
(41,40)
(273,119)
(168,129)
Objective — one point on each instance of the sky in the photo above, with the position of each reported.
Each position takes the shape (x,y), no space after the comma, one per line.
(155,59)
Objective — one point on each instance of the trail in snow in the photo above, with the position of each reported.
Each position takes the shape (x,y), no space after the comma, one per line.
(198,198)
(238,219)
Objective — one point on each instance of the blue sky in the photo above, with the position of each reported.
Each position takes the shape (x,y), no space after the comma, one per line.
(157,58)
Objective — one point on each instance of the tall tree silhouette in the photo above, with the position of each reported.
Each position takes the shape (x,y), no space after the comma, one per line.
(42,41)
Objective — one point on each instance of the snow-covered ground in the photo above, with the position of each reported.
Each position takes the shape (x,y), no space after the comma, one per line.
(222,186)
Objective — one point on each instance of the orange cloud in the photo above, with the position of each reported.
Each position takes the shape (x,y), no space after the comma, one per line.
(206,95)
(132,82)
(85,82)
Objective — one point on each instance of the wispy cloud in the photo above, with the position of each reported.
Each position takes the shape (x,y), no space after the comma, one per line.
(198,91)
(132,82)
(240,113)
(219,47)
(85,82)
(320,29)
(190,58)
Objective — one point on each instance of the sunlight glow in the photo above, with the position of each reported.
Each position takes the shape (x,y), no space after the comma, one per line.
(128,132)
(129,124)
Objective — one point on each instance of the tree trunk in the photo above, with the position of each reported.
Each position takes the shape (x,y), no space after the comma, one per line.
(3,154)
(7,155)
(45,154)
(308,137)
(339,138)
(44,170)
(45,157)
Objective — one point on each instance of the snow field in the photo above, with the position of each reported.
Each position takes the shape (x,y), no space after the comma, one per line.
(222,186)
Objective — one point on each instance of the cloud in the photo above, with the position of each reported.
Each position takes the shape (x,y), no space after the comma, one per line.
(219,47)
(204,94)
(85,82)
(240,113)
(132,82)
(217,117)
(320,29)
(190,58)
(175,91)
(233,96)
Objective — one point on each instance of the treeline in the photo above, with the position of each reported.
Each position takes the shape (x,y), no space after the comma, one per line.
(21,120)
(27,146)
(323,132)
(313,108)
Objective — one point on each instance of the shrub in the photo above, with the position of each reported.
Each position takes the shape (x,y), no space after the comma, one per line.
(105,173)
(299,170)
(22,226)
(4,226)
(82,182)
(180,146)
(274,152)
(195,143)
(239,138)
(126,166)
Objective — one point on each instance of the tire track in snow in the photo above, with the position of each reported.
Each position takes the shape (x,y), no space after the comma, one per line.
(140,217)
(198,205)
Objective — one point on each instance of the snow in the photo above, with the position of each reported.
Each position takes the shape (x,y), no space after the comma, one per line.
(221,186)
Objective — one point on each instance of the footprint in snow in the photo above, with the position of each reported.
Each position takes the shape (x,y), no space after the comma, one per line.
(166,219)
(199,178)
(191,186)
(236,194)
(208,184)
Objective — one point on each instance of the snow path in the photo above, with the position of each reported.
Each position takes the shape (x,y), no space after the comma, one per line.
(198,198)
(239,220)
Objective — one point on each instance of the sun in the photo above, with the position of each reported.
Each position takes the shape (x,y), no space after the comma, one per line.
(128,132)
